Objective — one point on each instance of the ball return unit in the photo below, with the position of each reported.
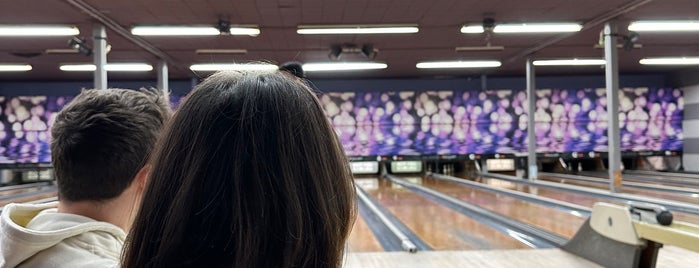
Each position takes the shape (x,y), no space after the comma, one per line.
(631,235)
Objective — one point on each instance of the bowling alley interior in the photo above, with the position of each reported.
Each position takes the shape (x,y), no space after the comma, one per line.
(540,133)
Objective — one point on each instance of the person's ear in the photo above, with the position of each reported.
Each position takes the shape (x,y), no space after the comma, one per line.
(142,177)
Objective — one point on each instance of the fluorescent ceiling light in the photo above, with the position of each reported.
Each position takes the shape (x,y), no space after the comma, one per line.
(221,51)
(569,62)
(458,64)
(343,66)
(670,61)
(212,67)
(664,26)
(472,29)
(190,30)
(526,28)
(61,51)
(15,67)
(635,46)
(538,28)
(69,50)
(112,67)
(38,30)
(357,29)
(479,48)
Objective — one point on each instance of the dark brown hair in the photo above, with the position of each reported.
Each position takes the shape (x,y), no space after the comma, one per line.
(102,138)
(249,174)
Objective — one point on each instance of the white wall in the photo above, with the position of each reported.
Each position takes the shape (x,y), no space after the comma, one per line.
(690,128)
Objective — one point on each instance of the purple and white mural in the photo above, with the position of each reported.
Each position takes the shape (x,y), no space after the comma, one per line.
(24,127)
(495,121)
(429,122)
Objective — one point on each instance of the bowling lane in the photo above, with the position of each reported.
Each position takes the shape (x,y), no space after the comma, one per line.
(687,198)
(662,178)
(556,221)
(25,195)
(6,193)
(28,198)
(438,226)
(362,239)
(570,197)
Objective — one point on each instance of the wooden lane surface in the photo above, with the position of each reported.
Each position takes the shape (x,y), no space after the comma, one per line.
(472,258)
(438,226)
(23,190)
(629,190)
(361,238)
(674,257)
(556,221)
(570,197)
(659,179)
(28,198)
(669,257)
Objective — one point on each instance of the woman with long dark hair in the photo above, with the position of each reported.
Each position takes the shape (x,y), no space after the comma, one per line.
(248,174)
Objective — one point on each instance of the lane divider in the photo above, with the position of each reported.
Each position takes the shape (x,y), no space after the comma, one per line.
(406,243)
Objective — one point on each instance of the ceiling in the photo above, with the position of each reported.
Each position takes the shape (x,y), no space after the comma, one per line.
(439,22)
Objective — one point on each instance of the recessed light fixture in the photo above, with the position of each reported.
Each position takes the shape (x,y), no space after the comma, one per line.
(525,28)
(212,67)
(358,29)
(664,26)
(343,66)
(670,61)
(458,64)
(111,67)
(15,67)
(164,30)
(38,30)
(569,62)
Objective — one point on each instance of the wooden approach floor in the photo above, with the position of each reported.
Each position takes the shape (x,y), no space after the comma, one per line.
(468,258)
(668,257)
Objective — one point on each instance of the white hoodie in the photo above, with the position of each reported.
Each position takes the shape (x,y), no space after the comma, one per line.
(36,235)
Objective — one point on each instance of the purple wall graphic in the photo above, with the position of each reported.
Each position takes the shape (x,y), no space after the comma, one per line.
(24,127)
(494,121)
(429,122)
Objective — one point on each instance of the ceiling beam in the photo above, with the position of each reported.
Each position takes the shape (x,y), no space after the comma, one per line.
(116,27)
(597,20)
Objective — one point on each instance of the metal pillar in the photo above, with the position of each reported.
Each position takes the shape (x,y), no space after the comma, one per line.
(99,52)
(612,83)
(531,126)
(163,77)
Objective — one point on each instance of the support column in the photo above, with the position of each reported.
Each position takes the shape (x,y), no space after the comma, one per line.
(484,82)
(531,123)
(163,77)
(99,51)
(612,84)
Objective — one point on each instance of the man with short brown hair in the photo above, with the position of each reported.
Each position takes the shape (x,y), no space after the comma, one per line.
(100,147)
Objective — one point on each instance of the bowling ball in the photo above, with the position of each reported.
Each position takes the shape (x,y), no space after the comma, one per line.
(664,218)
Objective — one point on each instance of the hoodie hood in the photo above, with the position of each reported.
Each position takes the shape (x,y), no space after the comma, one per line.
(28,229)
